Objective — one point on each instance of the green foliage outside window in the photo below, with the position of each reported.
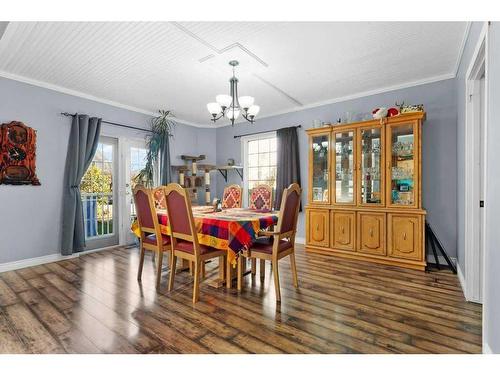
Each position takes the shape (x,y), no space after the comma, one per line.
(96,181)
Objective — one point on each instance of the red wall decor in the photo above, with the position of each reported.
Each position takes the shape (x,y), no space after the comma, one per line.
(17,154)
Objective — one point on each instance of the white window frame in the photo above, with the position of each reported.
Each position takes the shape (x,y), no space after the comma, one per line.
(244,158)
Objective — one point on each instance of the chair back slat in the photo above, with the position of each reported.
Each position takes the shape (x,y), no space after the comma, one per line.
(180,216)
(146,213)
(232,196)
(289,212)
(261,198)
(179,220)
(143,208)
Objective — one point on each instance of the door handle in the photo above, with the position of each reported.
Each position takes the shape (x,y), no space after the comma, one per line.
(342,230)
(371,232)
(404,236)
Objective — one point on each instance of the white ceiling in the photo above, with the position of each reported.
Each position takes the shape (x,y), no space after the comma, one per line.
(182,65)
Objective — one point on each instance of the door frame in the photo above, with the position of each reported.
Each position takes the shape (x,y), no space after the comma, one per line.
(473,237)
(124,143)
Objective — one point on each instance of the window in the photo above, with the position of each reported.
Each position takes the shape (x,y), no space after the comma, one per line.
(138,159)
(97,193)
(137,162)
(259,162)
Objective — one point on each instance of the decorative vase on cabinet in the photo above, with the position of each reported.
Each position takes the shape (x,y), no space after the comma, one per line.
(365,191)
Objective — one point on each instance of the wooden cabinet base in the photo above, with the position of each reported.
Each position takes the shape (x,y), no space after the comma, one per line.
(415,265)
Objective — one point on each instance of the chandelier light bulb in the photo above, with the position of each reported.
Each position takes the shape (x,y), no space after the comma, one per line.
(232,113)
(214,108)
(253,110)
(224,100)
(246,102)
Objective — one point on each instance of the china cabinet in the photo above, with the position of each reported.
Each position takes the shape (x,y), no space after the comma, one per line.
(365,198)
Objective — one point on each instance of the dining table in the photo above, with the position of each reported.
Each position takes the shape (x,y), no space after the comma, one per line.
(232,230)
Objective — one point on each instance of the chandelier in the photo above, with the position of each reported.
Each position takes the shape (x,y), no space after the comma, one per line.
(231,106)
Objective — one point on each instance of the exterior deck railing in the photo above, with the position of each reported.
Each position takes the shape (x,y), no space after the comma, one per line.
(97,214)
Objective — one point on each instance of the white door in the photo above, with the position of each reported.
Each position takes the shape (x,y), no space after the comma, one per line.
(134,159)
(475,166)
(481,158)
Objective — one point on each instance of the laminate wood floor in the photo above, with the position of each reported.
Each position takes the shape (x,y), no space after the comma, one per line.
(94,304)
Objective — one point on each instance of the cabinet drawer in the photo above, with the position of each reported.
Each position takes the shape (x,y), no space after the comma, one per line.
(342,230)
(371,233)
(405,236)
(318,228)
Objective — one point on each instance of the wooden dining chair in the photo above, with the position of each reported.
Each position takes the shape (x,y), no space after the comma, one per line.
(184,237)
(232,196)
(151,237)
(278,243)
(261,197)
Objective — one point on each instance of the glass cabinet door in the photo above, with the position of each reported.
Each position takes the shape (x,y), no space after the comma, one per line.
(344,167)
(371,167)
(320,168)
(403,169)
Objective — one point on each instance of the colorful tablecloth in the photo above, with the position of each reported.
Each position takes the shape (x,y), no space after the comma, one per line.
(232,229)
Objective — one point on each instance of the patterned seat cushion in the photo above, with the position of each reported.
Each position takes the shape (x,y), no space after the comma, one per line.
(232,197)
(261,198)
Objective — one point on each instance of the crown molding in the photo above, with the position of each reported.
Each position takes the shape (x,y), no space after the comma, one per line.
(462,46)
(79,94)
(64,90)
(363,94)
(3,27)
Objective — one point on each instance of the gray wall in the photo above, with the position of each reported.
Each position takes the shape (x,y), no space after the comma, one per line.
(439,146)
(491,308)
(30,216)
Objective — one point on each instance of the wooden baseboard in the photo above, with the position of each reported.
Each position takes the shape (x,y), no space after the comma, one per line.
(420,266)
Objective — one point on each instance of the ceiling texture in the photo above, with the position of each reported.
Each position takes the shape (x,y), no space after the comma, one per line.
(181,66)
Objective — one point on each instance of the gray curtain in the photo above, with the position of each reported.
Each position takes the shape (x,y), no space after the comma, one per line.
(83,141)
(165,166)
(288,167)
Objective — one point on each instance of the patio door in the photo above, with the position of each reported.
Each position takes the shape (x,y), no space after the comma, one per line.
(99,196)
(134,153)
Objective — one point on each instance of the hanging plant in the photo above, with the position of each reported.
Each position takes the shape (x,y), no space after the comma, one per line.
(161,127)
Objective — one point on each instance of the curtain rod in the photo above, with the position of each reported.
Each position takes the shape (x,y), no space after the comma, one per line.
(266,131)
(114,123)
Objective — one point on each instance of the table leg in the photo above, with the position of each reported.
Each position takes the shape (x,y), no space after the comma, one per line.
(222,268)
(230,274)
(229,278)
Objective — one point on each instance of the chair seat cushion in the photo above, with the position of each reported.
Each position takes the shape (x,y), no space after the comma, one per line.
(188,247)
(265,245)
(151,239)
